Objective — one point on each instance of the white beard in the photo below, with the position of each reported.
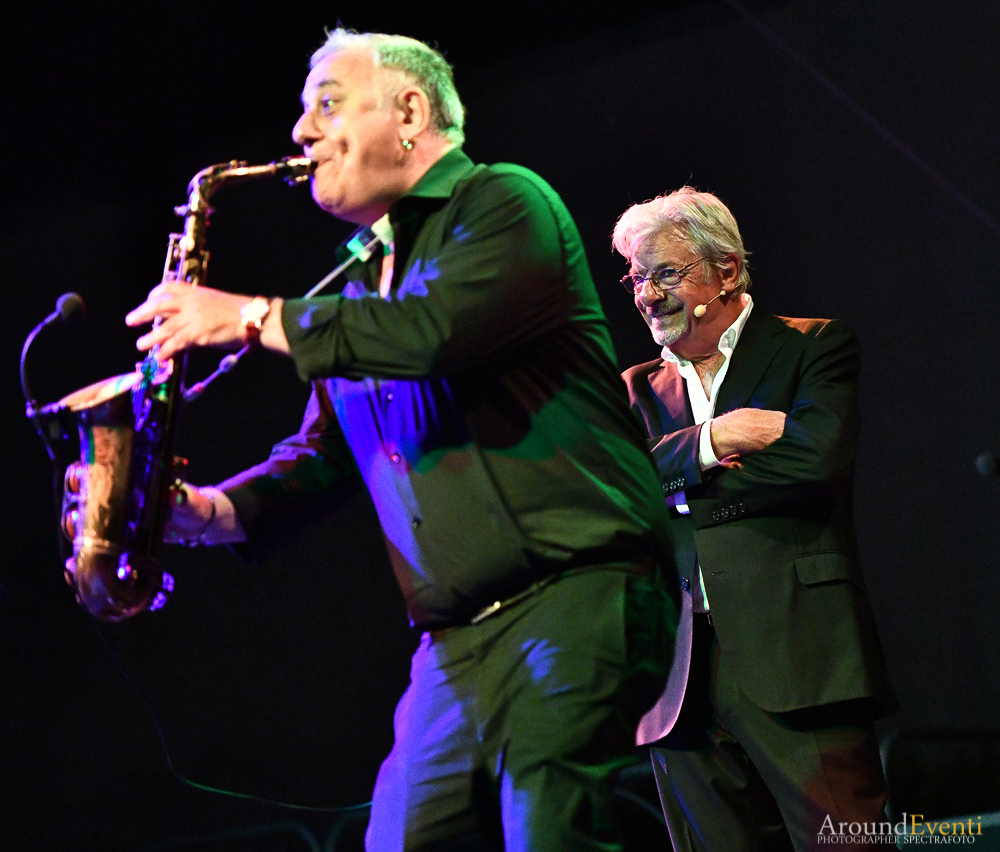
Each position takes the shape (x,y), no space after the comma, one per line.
(669,332)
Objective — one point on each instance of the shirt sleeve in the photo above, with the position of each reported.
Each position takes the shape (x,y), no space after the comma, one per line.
(306,477)
(706,454)
(497,280)
(676,459)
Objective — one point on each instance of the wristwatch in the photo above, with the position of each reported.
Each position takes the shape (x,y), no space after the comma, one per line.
(253,314)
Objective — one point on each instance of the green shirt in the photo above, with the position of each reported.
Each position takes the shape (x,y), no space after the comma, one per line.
(479,402)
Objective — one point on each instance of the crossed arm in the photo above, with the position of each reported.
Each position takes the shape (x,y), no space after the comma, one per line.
(745,431)
(806,440)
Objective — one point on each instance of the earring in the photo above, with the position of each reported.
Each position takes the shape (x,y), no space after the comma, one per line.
(407,144)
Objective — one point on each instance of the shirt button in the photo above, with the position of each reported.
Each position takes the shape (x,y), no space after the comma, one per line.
(394,458)
(388,396)
(415,523)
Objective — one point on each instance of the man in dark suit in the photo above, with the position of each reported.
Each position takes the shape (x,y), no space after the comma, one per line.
(764,738)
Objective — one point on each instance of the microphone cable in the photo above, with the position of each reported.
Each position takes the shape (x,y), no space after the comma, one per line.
(206,788)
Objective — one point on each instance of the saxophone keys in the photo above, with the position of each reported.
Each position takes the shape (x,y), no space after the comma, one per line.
(162,596)
(74,477)
(71,522)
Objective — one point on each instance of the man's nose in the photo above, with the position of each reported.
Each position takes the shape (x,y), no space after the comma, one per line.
(648,294)
(304,132)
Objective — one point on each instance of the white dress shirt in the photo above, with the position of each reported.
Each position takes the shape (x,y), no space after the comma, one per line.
(703,409)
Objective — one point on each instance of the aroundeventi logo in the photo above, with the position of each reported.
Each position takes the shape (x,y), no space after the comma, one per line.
(912,828)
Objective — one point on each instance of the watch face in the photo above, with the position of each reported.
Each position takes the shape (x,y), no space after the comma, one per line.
(254,312)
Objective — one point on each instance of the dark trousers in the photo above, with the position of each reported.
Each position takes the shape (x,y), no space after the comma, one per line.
(512,730)
(735,778)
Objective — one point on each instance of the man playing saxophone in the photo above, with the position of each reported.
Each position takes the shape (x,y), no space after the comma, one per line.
(466,377)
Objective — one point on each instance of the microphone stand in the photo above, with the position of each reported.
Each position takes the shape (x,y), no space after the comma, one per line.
(53,428)
(55,425)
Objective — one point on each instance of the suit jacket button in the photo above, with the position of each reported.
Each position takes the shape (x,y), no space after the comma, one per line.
(715,515)
(685,584)
(664,487)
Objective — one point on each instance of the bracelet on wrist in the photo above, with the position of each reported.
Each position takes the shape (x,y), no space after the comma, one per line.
(199,537)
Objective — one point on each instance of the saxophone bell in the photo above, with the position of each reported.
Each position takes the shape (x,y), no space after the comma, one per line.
(114,499)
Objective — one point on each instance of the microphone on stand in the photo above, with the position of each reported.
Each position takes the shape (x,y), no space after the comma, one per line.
(699,310)
(69,306)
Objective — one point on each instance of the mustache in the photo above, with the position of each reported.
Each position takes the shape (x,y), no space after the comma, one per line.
(668,305)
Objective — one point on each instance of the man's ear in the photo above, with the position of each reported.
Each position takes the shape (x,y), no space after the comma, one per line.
(413,112)
(729,272)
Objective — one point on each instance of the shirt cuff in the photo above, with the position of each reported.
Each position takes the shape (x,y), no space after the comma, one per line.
(706,455)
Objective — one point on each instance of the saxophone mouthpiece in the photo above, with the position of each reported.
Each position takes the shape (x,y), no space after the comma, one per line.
(298,169)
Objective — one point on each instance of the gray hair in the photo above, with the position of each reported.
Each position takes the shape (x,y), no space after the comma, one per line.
(700,217)
(419,64)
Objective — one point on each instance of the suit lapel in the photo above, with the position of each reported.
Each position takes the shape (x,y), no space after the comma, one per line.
(670,393)
(758,344)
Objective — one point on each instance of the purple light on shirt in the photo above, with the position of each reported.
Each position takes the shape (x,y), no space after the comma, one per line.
(415,282)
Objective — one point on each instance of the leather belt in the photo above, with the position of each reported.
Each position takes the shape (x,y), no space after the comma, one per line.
(642,566)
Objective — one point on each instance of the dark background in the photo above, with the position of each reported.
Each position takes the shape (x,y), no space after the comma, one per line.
(856,144)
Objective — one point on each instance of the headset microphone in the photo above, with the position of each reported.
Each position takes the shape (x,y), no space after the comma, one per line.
(699,310)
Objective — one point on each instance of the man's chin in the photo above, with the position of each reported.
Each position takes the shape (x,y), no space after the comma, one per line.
(666,334)
(332,204)
(319,196)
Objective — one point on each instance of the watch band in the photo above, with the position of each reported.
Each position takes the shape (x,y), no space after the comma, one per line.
(253,314)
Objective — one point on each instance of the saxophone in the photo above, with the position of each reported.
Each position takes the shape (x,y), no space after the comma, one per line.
(115,497)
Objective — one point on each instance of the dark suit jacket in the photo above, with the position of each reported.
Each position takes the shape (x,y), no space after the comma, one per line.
(775,538)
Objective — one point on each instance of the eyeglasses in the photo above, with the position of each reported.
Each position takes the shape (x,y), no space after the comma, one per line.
(661,281)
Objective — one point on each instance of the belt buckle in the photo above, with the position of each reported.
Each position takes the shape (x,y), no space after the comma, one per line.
(487,611)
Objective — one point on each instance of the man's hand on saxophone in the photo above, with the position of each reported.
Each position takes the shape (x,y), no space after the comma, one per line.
(200,316)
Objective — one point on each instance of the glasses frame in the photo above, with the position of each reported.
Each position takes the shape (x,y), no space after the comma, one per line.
(634,283)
